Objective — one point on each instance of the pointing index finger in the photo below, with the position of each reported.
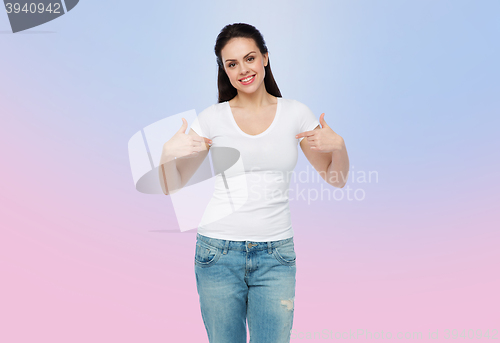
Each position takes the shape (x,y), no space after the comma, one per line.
(201,139)
(306,134)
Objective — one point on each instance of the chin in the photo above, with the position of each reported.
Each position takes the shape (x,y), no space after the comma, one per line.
(249,90)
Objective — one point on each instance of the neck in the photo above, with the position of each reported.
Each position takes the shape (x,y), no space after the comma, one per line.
(256,100)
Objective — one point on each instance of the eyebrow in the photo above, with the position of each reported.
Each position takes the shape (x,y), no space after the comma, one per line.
(243,57)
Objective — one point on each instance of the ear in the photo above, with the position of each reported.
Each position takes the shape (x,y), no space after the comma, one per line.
(266,59)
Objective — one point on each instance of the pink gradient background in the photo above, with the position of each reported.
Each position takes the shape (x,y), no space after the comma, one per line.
(82,254)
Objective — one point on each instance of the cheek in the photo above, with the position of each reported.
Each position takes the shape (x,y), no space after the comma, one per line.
(234,78)
(231,74)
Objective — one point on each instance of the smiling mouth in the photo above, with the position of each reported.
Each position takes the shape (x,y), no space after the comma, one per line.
(249,78)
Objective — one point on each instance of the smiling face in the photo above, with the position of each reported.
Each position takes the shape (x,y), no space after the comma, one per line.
(242,59)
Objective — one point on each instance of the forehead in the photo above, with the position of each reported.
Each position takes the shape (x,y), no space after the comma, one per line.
(238,47)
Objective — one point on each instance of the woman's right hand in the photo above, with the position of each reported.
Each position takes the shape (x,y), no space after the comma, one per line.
(182,145)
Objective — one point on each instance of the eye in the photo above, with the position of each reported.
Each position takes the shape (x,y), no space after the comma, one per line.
(251,58)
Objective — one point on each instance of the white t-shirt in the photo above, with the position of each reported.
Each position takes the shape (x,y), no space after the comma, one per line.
(253,200)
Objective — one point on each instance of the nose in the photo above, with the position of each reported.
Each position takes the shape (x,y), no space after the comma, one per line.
(243,70)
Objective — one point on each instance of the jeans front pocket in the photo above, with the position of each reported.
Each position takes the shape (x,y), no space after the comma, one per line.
(285,253)
(206,255)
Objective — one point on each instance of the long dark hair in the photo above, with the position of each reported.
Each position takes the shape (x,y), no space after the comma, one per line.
(226,89)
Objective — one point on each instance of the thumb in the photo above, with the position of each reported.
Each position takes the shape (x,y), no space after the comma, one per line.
(322,121)
(183,127)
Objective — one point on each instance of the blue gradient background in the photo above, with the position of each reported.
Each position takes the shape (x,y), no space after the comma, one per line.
(411,86)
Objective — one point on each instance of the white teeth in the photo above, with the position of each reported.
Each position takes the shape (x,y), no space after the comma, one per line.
(248,78)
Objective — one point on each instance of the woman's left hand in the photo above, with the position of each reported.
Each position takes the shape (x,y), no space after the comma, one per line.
(323,139)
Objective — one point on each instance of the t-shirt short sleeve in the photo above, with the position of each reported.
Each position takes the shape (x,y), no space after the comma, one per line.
(201,125)
(307,119)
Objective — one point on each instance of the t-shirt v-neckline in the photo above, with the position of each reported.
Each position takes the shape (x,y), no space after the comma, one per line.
(276,115)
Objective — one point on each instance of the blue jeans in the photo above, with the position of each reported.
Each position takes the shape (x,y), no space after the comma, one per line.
(243,280)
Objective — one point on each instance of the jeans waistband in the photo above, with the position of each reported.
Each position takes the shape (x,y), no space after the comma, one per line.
(242,245)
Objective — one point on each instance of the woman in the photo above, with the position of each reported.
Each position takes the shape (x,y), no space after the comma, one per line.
(245,262)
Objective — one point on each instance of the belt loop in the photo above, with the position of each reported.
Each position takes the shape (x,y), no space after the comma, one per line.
(269,249)
(226,247)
